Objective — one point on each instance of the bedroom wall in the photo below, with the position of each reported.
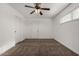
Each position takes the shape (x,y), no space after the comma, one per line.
(67,33)
(10,21)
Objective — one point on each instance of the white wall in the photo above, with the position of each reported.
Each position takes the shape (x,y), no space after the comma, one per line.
(9,23)
(67,33)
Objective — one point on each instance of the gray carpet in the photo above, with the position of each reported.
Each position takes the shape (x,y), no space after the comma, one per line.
(39,47)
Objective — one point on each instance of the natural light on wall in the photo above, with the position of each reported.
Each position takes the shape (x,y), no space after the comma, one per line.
(74,15)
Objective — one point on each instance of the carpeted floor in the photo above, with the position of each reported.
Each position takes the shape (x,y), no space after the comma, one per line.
(39,47)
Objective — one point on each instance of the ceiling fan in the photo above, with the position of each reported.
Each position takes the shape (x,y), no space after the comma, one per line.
(37,8)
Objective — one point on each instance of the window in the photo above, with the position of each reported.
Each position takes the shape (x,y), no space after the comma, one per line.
(71,16)
(66,18)
(76,14)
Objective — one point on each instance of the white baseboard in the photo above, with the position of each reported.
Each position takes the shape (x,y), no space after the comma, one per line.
(6,47)
(68,47)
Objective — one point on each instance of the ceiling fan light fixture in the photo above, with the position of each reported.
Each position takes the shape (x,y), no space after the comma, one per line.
(37,11)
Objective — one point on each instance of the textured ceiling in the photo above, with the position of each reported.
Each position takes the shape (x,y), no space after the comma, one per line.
(55,8)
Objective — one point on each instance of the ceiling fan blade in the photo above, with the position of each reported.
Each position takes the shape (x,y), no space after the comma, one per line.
(41,13)
(32,12)
(45,8)
(29,6)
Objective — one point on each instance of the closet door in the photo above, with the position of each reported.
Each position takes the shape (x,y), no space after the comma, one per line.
(35,29)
